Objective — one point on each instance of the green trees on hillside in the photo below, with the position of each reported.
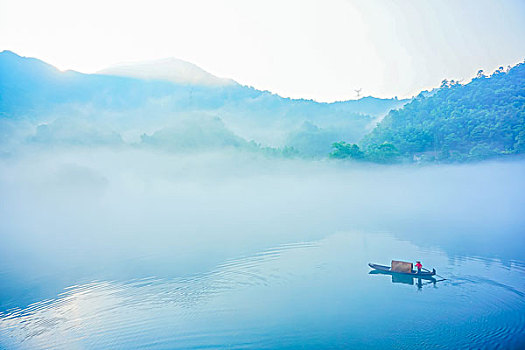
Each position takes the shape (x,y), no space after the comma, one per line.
(345,150)
(482,119)
(383,153)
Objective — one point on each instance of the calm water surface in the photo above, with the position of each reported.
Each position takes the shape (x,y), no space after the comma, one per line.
(305,294)
(126,258)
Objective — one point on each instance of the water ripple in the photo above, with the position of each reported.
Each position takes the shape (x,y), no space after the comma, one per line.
(307,281)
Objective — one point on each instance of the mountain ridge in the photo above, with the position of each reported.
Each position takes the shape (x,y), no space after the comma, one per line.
(107,72)
(36,93)
(169,69)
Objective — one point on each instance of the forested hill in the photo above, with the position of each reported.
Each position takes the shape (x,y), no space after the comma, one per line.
(34,93)
(482,119)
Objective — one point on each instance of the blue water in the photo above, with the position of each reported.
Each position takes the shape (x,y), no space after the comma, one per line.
(306,294)
(296,277)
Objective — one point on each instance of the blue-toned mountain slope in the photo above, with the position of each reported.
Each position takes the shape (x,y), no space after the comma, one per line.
(36,92)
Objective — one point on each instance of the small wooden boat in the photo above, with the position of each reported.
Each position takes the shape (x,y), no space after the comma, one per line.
(414,273)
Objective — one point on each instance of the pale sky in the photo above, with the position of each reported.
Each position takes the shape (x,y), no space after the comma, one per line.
(303,49)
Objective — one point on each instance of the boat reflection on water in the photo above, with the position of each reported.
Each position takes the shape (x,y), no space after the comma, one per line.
(407,279)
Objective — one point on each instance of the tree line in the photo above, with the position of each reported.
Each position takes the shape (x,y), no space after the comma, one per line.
(457,122)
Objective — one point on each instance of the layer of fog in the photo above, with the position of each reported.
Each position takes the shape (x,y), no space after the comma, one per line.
(181,131)
(99,213)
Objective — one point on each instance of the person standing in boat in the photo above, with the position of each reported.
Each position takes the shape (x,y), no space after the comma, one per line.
(419,266)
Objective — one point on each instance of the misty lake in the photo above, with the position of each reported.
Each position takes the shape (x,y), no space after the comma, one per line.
(106,250)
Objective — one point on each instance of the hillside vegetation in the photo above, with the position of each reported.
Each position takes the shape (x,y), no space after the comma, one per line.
(39,103)
(479,120)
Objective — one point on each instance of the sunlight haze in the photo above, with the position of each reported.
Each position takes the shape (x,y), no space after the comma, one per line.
(262,174)
(322,50)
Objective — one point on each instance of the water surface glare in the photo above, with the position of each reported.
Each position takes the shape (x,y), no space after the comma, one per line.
(306,294)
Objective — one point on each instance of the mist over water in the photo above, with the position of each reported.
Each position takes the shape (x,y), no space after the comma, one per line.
(154,205)
(151,248)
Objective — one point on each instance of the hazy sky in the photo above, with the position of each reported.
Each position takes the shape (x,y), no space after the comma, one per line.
(311,49)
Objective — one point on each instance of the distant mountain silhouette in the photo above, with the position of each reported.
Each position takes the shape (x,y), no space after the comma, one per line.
(28,79)
(169,69)
(38,92)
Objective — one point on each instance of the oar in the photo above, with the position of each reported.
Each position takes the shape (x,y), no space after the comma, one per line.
(443,278)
